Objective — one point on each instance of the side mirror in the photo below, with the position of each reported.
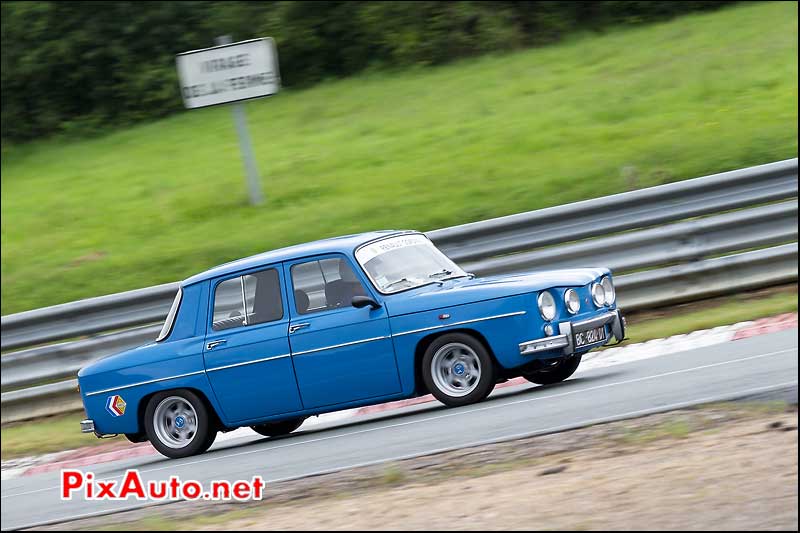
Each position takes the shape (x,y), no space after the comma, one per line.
(363,301)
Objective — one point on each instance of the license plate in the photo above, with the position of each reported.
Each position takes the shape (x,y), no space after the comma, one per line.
(591,336)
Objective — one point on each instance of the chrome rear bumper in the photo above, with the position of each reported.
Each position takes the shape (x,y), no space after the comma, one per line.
(564,339)
(87,426)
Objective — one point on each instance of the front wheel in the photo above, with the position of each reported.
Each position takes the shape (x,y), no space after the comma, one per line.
(561,371)
(458,370)
(276,429)
(136,437)
(178,424)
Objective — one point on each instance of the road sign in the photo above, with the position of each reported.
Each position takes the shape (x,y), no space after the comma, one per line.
(232,72)
(228,73)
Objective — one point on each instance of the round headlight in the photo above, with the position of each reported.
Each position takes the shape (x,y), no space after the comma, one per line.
(598,295)
(572,300)
(608,288)
(547,305)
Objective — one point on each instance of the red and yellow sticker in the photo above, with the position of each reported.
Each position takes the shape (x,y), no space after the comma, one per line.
(115,405)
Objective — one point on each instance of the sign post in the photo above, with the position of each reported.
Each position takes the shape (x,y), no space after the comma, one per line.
(230,73)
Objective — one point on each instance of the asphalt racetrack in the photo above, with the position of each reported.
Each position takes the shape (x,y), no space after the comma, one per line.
(722,371)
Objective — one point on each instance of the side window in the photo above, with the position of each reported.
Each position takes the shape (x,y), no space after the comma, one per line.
(248,300)
(324,284)
(228,306)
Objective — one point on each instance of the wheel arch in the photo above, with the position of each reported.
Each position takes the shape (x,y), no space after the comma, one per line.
(142,407)
(422,346)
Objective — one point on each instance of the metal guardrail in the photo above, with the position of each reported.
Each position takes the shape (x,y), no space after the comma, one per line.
(620,212)
(85,317)
(671,243)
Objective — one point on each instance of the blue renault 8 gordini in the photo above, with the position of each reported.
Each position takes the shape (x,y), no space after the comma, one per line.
(272,339)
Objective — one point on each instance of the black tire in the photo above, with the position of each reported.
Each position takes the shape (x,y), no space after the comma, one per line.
(136,437)
(276,429)
(478,390)
(559,373)
(203,436)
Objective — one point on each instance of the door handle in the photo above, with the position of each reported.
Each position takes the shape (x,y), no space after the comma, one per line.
(296,327)
(212,344)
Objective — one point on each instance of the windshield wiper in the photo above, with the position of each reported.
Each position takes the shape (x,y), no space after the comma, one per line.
(443,272)
(401,280)
(457,276)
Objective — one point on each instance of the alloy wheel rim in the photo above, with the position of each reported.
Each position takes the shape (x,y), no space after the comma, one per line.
(175,422)
(456,369)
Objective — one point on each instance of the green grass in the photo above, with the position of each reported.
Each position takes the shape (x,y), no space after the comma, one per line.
(670,429)
(392,476)
(46,435)
(726,310)
(423,149)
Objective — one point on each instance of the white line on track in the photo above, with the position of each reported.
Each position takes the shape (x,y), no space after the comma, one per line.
(173,466)
(555,429)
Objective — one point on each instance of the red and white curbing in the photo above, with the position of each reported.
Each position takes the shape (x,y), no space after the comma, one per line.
(113,451)
(767,325)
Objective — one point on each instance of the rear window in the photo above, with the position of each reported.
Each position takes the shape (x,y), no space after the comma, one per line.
(170,321)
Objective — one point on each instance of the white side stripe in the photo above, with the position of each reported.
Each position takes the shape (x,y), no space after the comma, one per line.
(458,323)
(340,345)
(254,361)
(144,383)
(516,313)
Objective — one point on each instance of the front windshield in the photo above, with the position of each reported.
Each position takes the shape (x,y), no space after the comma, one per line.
(167,328)
(405,261)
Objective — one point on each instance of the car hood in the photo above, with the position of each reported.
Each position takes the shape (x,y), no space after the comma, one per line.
(464,290)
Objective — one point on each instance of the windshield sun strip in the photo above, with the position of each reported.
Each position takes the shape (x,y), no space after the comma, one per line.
(428,241)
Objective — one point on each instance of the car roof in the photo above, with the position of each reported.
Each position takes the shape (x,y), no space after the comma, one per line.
(344,244)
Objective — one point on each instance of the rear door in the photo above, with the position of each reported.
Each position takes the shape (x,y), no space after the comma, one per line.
(247,352)
(340,353)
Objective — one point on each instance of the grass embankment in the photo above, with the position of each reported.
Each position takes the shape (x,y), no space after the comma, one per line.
(420,149)
(711,313)
(60,433)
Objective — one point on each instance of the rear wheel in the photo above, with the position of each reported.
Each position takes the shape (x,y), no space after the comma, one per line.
(276,429)
(178,424)
(556,373)
(458,370)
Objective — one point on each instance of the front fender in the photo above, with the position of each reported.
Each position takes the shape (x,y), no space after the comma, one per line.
(503,322)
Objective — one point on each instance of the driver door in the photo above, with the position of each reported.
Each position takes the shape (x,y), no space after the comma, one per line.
(340,353)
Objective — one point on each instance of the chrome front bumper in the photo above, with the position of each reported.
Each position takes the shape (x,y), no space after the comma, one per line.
(87,426)
(564,339)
